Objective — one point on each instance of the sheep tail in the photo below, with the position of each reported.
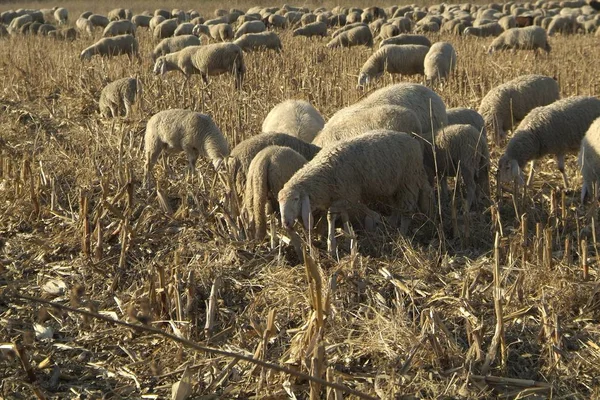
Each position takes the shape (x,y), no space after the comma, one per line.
(257,189)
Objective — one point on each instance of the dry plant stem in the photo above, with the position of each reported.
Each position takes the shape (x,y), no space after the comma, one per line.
(211,309)
(13,295)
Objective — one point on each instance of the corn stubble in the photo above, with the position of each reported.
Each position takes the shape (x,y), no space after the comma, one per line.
(503,301)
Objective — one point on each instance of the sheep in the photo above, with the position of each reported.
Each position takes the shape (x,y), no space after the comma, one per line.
(368,118)
(85,14)
(404,24)
(277,21)
(141,20)
(180,60)
(121,27)
(187,28)
(395,59)
(165,29)
(217,21)
(337,20)
(308,19)
(346,28)
(174,44)
(99,20)
(45,29)
(112,46)
(298,118)
(242,155)
(219,32)
(155,21)
(491,29)
(180,130)
(460,115)
(18,22)
(440,61)
(61,15)
(430,27)
(561,24)
(3,31)
(507,22)
(269,171)
(555,129)
(378,166)
(513,100)
(405,38)
(119,13)
(63,34)
(85,25)
(387,31)
(312,29)
(119,96)
(462,147)
(529,38)
(256,41)
(354,37)
(250,27)
(589,161)
(293,17)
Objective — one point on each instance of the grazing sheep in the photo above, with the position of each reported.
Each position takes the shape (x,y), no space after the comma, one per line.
(174,44)
(308,19)
(85,25)
(85,14)
(180,60)
(112,46)
(186,28)
(269,171)
(460,115)
(119,96)
(368,118)
(485,30)
(61,15)
(155,21)
(562,24)
(183,130)
(463,147)
(256,41)
(277,21)
(395,59)
(45,29)
(376,167)
(387,31)
(507,22)
(429,27)
(293,17)
(312,29)
(17,23)
(589,161)
(165,29)
(360,35)
(555,129)
(346,28)
(63,34)
(99,20)
(295,117)
(337,20)
(513,100)
(218,32)
(440,61)
(141,20)
(242,155)
(119,13)
(405,38)
(250,27)
(3,31)
(217,21)
(121,27)
(529,38)
(220,58)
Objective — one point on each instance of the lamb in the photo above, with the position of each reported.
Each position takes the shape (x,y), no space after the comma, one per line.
(513,100)
(85,25)
(165,29)
(485,30)
(460,115)
(555,129)
(242,155)
(121,27)
(180,130)
(463,147)
(440,61)
(368,118)
(405,38)
(250,27)
(112,46)
(61,15)
(589,161)
(187,28)
(174,44)
(378,166)
(395,59)
(529,38)
(312,29)
(99,20)
(269,171)
(295,117)
(354,37)
(118,96)
(254,41)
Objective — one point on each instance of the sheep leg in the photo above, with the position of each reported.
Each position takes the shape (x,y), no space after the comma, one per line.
(444,189)
(531,171)
(404,224)
(151,158)
(192,158)
(560,160)
(331,240)
(468,178)
(127,109)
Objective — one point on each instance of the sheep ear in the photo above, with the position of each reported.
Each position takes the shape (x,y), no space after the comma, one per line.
(307,217)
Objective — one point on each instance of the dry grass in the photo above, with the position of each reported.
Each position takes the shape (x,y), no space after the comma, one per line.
(402,319)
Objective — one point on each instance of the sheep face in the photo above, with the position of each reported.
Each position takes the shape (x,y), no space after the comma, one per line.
(363,80)
(292,204)
(160,66)
(508,170)
(85,55)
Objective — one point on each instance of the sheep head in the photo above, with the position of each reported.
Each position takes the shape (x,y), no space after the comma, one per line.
(293,203)
(160,66)
(508,170)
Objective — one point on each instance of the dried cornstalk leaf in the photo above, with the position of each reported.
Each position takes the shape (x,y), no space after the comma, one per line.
(183,389)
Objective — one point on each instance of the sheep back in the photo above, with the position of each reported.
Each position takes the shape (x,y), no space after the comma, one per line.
(296,118)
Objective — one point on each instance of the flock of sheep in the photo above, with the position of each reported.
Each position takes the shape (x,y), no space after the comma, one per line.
(382,156)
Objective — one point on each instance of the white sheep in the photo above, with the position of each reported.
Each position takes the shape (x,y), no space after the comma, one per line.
(141,20)
(485,30)
(155,21)
(99,20)
(120,27)
(346,28)
(174,44)
(562,24)
(112,46)
(165,29)
(528,38)
(360,35)
(395,59)
(61,15)
(119,13)
(295,117)
(507,22)
(186,28)
(269,171)
(183,130)
(85,25)
(312,29)
(218,32)
(119,96)
(277,21)
(440,61)
(461,115)
(250,27)
(387,31)
(556,129)
(405,38)
(242,155)
(589,161)
(308,18)
(510,102)
(166,14)
(378,166)
(257,41)
(369,118)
